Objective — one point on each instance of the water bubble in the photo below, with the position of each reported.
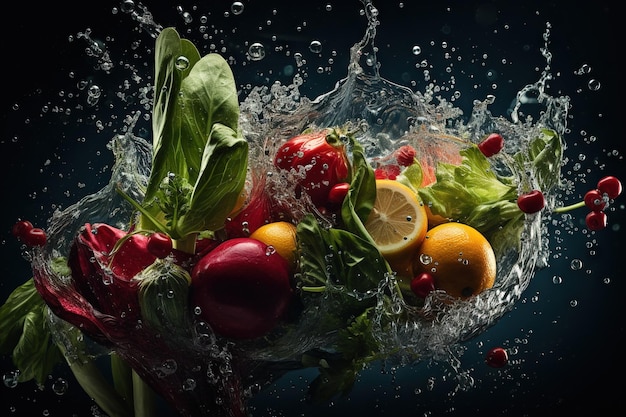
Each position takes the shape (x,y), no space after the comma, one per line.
(593,84)
(576,264)
(10,379)
(416,50)
(256,51)
(189,384)
(315,47)
(236,8)
(329,7)
(127,6)
(182,63)
(60,386)
(168,367)
(425,259)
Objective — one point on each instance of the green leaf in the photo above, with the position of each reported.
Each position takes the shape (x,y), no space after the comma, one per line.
(26,335)
(222,177)
(358,203)
(337,257)
(472,193)
(544,155)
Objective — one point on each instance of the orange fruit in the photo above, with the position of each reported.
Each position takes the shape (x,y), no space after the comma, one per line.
(459,258)
(281,236)
(397,224)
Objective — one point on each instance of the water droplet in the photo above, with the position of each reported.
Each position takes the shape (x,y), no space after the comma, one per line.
(237,8)
(189,384)
(593,84)
(256,51)
(425,259)
(416,50)
(182,63)
(60,386)
(576,264)
(315,47)
(10,379)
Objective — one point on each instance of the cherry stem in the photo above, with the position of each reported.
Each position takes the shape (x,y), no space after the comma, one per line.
(570,207)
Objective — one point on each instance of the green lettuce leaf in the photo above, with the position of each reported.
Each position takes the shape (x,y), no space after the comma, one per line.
(26,335)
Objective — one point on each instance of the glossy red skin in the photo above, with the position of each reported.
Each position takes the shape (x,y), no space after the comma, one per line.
(611,186)
(491,145)
(328,163)
(21,227)
(497,357)
(337,194)
(596,220)
(531,202)
(594,201)
(242,289)
(159,244)
(422,284)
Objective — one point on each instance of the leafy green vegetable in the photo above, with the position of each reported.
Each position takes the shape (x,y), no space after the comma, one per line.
(199,161)
(338,372)
(544,155)
(473,194)
(26,335)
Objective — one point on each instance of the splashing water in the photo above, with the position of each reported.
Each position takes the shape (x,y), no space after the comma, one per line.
(387,115)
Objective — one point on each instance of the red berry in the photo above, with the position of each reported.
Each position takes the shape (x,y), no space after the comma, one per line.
(405,155)
(531,202)
(34,237)
(491,145)
(337,193)
(594,200)
(21,228)
(497,357)
(159,244)
(596,220)
(610,186)
(422,284)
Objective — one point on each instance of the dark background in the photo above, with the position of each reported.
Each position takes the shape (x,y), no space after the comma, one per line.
(565,339)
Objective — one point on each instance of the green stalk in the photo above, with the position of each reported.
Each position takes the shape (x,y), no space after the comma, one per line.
(122,378)
(98,388)
(570,207)
(144,398)
(185,244)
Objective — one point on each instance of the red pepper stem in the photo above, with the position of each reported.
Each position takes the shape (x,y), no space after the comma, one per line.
(565,209)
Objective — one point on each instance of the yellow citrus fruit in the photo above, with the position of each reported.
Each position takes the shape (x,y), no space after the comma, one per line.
(280,235)
(397,223)
(459,258)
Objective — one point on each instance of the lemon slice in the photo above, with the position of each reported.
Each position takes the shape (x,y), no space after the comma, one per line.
(398,220)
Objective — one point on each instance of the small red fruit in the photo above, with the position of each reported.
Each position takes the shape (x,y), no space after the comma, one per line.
(594,201)
(405,155)
(159,244)
(422,284)
(491,145)
(596,220)
(34,237)
(497,357)
(21,228)
(610,186)
(337,194)
(531,202)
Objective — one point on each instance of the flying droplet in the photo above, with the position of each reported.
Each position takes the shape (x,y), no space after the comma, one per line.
(256,52)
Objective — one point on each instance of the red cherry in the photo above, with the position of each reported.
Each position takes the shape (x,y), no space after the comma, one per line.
(21,228)
(491,145)
(497,357)
(337,193)
(594,200)
(159,244)
(610,186)
(422,284)
(34,237)
(596,220)
(531,202)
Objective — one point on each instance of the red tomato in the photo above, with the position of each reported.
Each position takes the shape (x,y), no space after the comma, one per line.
(318,159)
(491,145)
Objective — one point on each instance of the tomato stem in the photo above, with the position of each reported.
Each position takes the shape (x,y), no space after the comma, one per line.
(565,209)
